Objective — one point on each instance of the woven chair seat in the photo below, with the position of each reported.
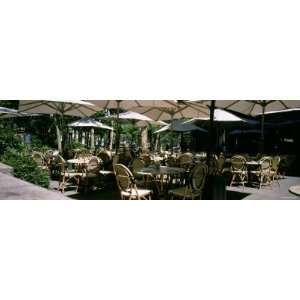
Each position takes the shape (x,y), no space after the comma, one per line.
(239,171)
(184,192)
(71,174)
(136,193)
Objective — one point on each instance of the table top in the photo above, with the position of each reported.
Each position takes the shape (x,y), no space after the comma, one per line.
(163,170)
(78,161)
(253,163)
(295,190)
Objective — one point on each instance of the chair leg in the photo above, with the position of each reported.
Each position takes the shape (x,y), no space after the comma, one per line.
(232,180)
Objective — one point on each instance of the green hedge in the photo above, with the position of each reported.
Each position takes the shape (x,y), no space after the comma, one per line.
(9,139)
(25,167)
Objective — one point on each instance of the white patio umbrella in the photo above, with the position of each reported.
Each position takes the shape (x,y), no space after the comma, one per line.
(128,105)
(134,116)
(141,121)
(258,107)
(251,107)
(182,109)
(221,115)
(180,126)
(8,112)
(91,124)
(76,108)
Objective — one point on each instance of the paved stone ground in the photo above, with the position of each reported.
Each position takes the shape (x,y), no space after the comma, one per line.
(275,192)
(233,193)
(12,188)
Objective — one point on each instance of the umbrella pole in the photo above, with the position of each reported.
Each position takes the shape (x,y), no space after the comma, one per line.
(118,131)
(111,138)
(58,133)
(92,138)
(211,131)
(263,129)
(172,119)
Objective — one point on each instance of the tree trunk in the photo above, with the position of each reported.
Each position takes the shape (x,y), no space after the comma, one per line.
(111,138)
(92,138)
(144,139)
(58,134)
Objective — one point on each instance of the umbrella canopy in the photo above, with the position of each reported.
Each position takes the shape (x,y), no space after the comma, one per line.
(89,123)
(152,122)
(13,113)
(77,108)
(256,107)
(180,126)
(142,120)
(239,132)
(181,110)
(8,112)
(129,105)
(130,115)
(221,115)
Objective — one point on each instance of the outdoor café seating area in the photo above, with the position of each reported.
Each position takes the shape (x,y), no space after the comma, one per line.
(160,175)
(154,150)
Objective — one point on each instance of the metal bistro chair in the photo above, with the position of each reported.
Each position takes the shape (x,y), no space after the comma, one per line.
(127,186)
(238,170)
(263,174)
(194,187)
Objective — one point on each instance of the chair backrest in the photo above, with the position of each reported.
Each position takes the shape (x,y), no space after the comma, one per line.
(221,163)
(213,167)
(265,163)
(125,157)
(38,158)
(82,153)
(124,177)
(275,163)
(146,159)
(93,166)
(185,160)
(60,162)
(137,165)
(198,176)
(115,159)
(171,161)
(238,163)
(104,156)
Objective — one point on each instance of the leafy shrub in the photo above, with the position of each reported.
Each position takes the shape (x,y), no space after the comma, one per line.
(25,167)
(9,139)
(76,145)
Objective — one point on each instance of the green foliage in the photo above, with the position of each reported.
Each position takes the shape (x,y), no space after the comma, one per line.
(129,132)
(76,145)
(9,103)
(9,139)
(25,167)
